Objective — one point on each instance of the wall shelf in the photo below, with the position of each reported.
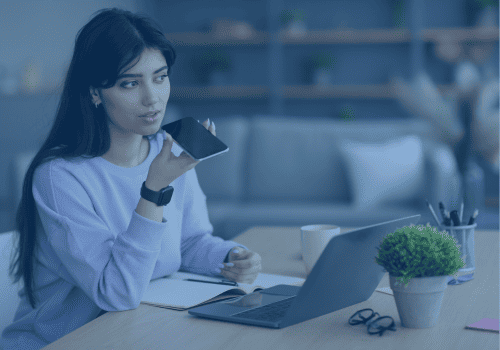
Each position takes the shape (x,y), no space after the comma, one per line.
(219,92)
(351,36)
(304,92)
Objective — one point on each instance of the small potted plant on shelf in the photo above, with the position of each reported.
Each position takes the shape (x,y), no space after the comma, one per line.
(398,14)
(419,260)
(211,67)
(293,22)
(319,67)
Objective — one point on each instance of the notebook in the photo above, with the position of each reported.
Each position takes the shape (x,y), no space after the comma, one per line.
(172,292)
(486,324)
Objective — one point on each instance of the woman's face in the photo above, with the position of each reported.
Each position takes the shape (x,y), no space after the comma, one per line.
(140,90)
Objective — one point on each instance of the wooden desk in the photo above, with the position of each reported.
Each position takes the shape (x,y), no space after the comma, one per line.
(150,327)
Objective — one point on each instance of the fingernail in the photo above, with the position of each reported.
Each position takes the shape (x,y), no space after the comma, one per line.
(218,271)
(229,264)
(213,125)
(208,121)
(236,251)
(221,266)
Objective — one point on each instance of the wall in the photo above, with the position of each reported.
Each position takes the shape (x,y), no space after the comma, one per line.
(38,35)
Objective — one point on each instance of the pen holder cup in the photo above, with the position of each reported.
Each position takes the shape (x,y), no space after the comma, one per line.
(465,242)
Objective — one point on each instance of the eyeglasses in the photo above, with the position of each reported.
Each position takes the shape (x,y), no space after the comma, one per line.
(381,324)
(461,279)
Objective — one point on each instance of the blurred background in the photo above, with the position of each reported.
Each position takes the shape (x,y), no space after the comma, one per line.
(348,112)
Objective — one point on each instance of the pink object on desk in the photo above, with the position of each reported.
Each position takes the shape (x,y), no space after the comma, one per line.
(486,324)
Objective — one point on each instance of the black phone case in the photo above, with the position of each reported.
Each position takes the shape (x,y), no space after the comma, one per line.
(194,139)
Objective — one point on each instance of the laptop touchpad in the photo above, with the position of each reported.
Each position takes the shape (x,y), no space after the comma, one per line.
(282,289)
(254,299)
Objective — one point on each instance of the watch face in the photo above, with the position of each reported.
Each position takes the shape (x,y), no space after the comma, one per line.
(166,195)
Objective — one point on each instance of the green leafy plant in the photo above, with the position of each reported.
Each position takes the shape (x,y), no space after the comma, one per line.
(399,13)
(322,60)
(319,60)
(419,251)
(213,60)
(347,113)
(288,16)
(486,3)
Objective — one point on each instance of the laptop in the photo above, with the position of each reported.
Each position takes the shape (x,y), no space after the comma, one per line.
(345,274)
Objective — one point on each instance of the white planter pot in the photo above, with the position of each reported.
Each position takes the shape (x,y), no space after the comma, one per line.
(321,78)
(219,78)
(297,29)
(419,303)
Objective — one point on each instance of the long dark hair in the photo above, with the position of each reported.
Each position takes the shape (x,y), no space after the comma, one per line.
(104,48)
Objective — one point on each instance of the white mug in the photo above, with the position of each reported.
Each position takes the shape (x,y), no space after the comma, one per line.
(314,239)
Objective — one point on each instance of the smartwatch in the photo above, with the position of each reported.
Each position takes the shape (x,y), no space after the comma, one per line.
(160,198)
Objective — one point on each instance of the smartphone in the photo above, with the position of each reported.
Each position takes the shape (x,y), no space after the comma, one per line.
(194,139)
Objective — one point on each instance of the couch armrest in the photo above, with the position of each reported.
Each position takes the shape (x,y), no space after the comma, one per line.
(443,180)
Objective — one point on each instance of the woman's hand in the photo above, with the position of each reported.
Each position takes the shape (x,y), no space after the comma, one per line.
(165,168)
(246,266)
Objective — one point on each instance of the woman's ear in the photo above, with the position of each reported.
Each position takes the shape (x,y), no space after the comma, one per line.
(94,94)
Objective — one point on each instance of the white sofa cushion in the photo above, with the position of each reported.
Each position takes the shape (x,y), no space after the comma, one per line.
(387,172)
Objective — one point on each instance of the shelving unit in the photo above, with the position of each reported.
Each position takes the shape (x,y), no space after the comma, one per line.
(333,37)
(352,36)
(305,92)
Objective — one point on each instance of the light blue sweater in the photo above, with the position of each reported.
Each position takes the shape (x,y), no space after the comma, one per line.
(97,254)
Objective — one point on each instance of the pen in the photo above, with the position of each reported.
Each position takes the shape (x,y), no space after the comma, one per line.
(447,219)
(473,217)
(442,210)
(227,283)
(433,212)
(454,217)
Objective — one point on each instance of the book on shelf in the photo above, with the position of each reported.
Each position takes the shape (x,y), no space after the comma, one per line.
(173,292)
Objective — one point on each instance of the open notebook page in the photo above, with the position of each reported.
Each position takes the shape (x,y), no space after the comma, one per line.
(174,293)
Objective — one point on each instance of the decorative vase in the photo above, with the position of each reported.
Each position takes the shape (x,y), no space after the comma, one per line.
(420,301)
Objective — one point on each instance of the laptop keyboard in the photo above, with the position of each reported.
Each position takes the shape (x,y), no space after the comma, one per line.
(271,312)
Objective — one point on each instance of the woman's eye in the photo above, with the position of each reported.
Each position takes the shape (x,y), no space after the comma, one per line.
(126,83)
(130,82)
(163,76)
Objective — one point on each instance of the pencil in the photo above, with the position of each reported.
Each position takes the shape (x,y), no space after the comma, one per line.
(433,212)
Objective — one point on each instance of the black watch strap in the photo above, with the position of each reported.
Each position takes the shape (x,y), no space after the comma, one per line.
(160,198)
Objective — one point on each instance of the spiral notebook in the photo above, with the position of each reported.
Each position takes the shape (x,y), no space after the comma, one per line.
(172,292)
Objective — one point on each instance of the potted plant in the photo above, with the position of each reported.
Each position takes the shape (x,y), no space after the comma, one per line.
(419,260)
(398,14)
(293,21)
(319,67)
(211,65)
(488,15)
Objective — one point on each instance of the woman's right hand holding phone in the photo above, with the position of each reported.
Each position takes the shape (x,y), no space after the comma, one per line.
(166,167)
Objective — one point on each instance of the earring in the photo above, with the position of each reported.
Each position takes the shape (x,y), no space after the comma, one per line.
(96,104)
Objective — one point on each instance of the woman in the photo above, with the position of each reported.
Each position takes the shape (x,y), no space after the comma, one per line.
(90,241)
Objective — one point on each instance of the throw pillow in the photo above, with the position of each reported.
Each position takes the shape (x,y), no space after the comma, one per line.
(392,171)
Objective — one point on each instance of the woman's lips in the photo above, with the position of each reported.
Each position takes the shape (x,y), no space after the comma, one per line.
(149,115)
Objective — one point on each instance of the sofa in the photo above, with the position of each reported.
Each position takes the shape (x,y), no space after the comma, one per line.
(295,171)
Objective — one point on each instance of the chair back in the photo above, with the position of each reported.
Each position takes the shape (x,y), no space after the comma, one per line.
(9,298)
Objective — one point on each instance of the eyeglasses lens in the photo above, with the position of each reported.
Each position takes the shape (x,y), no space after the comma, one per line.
(364,315)
(382,323)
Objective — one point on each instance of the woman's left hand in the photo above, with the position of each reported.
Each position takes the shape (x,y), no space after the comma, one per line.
(246,268)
